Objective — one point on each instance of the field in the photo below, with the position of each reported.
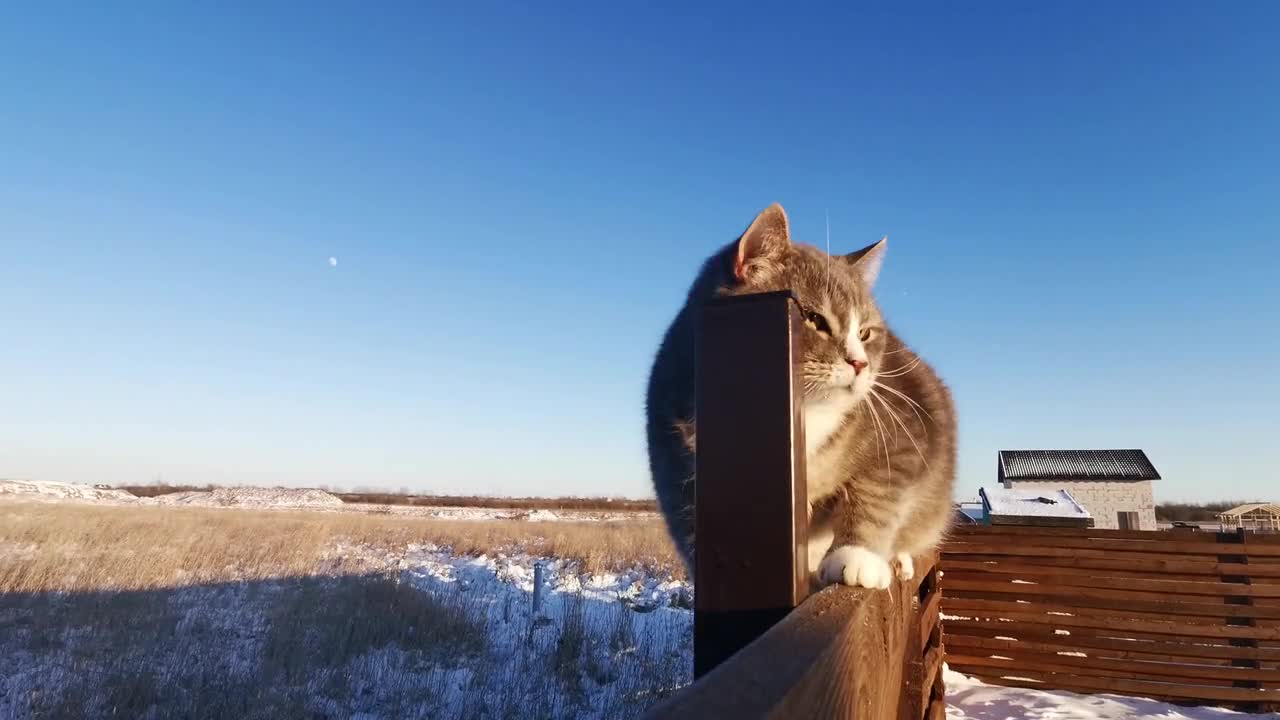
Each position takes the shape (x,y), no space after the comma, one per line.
(169,612)
(138,609)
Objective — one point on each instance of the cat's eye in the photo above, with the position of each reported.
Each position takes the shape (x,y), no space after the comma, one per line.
(865,334)
(816,321)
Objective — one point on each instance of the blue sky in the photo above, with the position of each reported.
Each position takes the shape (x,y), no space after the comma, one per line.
(1081,202)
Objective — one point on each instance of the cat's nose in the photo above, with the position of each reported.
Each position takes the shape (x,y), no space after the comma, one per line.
(858,365)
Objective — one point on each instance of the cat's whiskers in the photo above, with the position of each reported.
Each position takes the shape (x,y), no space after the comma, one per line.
(900,370)
(895,416)
(914,404)
(881,437)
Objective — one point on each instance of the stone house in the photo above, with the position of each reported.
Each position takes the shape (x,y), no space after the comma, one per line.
(1115,486)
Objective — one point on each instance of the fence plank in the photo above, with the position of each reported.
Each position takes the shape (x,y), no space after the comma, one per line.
(1204,646)
(1052,601)
(1156,587)
(1104,659)
(1112,563)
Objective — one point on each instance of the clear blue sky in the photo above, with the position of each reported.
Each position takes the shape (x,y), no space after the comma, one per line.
(1083,204)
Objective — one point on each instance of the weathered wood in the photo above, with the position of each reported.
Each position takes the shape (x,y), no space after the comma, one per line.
(997,569)
(1110,563)
(839,655)
(1036,582)
(1119,624)
(1107,660)
(1091,604)
(958,632)
(1151,545)
(751,511)
(1116,649)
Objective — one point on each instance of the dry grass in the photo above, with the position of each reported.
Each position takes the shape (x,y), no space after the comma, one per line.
(156,612)
(64,547)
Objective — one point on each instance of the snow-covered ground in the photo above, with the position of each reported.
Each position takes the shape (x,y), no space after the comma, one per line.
(969,699)
(355,642)
(281,498)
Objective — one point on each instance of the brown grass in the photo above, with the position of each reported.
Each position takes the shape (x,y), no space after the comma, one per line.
(195,612)
(64,547)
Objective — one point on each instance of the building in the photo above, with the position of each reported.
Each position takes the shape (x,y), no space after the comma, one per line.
(1115,486)
(1031,506)
(1255,517)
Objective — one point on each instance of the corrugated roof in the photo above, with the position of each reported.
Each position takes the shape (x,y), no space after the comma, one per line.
(1077,465)
(1249,507)
(1032,503)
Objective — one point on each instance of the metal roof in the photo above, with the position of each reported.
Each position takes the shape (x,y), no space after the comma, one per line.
(1077,465)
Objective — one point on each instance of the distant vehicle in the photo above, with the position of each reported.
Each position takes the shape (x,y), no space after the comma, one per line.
(1180,525)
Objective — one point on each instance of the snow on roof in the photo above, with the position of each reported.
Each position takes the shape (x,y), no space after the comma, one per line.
(1237,511)
(1032,503)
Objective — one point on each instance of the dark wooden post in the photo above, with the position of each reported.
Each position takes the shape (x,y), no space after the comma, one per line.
(751,513)
(1239,538)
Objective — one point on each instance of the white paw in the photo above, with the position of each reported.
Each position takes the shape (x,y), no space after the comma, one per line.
(855,565)
(906,568)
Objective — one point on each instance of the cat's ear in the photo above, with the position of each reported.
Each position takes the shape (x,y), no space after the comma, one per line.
(764,242)
(867,261)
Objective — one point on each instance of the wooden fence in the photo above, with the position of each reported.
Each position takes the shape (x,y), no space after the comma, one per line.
(763,645)
(1190,617)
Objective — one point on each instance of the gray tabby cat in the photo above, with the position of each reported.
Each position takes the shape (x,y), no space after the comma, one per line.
(879,424)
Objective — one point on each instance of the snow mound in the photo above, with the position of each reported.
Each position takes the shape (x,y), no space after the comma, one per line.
(256,497)
(542,516)
(44,490)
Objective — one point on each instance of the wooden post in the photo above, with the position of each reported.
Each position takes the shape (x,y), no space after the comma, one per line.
(751,513)
(537,587)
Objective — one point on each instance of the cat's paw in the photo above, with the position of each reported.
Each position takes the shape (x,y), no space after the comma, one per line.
(906,567)
(855,565)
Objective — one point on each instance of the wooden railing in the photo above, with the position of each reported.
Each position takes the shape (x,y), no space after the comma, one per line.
(763,646)
(1185,616)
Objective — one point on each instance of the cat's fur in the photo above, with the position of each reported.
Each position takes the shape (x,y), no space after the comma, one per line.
(880,464)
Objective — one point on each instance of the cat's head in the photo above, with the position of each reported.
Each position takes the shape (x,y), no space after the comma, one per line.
(844,333)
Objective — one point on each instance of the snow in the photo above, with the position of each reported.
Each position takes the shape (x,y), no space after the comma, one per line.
(53,491)
(970,699)
(1033,503)
(281,498)
(253,497)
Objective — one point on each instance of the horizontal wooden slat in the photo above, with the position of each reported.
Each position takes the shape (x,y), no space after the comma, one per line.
(1118,649)
(1088,638)
(1200,572)
(1164,587)
(1163,546)
(1065,679)
(1108,660)
(1155,628)
(1111,563)
(1198,613)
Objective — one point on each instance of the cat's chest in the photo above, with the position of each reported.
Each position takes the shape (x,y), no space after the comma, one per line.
(822,463)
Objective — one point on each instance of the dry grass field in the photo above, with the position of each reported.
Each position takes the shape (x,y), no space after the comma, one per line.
(160,612)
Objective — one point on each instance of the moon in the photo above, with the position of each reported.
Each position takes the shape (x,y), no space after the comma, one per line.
(333,261)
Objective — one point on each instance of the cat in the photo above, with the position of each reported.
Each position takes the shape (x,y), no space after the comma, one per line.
(879,423)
